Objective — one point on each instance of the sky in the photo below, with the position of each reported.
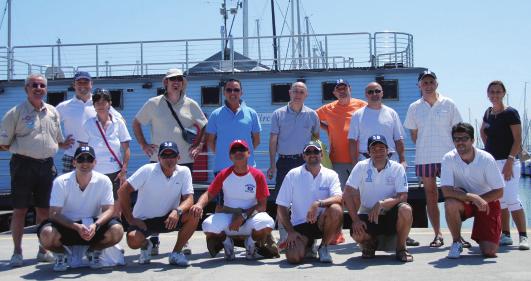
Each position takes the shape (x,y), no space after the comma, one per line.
(467,43)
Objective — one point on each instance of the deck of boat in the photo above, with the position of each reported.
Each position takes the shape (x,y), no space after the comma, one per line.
(429,264)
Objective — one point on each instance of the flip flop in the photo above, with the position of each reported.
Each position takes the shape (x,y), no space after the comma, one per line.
(465,243)
(404,256)
(437,242)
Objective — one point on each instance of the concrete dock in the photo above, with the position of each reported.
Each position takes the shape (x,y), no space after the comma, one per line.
(429,264)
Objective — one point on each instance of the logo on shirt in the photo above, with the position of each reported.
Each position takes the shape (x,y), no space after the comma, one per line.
(29,121)
(390,180)
(323,187)
(369,176)
(249,188)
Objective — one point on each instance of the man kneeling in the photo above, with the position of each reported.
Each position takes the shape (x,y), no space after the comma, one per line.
(243,213)
(81,209)
(375,195)
(314,194)
(165,194)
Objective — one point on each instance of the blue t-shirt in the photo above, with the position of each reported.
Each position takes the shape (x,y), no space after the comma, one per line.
(228,126)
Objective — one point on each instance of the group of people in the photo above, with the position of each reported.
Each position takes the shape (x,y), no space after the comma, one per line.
(84,205)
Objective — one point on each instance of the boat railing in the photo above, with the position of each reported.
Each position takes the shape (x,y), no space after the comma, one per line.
(141,58)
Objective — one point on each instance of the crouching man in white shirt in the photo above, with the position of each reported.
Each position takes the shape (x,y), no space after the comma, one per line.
(165,194)
(314,194)
(81,210)
(376,195)
(244,203)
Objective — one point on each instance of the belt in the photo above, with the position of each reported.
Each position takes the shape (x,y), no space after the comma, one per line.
(24,157)
(293,156)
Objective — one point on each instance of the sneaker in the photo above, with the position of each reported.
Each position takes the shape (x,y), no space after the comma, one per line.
(228,247)
(178,258)
(311,251)
(145,254)
(338,239)
(505,240)
(61,262)
(186,249)
(455,250)
(16,260)
(155,242)
(94,259)
(324,254)
(45,256)
(523,245)
(250,248)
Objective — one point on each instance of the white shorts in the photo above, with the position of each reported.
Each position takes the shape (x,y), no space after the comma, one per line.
(217,223)
(510,199)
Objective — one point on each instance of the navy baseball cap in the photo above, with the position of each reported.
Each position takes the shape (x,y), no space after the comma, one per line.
(427,73)
(84,150)
(374,139)
(168,145)
(82,75)
(342,82)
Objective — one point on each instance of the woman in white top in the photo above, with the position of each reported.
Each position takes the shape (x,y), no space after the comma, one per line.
(108,135)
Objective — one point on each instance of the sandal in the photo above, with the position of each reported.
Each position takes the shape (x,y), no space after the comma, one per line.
(368,253)
(412,242)
(404,256)
(437,242)
(465,243)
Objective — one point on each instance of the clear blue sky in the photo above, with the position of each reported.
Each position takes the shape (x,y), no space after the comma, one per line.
(467,43)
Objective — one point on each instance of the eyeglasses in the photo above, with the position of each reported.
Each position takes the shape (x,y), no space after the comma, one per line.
(168,155)
(85,159)
(461,139)
(238,149)
(232,90)
(38,85)
(176,78)
(312,152)
(372,92)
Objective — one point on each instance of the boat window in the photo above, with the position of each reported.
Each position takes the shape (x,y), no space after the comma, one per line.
(55,98)
(117,98)
(280,93)
(210,96)
(389,87)
(328,91)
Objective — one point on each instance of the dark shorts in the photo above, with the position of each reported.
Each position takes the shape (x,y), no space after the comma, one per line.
(386,222)
(115,184)
(309,230)
(71,237)
(284,164)
(155,225)
(428,170)
(68,163)
(486,227)
(31,181)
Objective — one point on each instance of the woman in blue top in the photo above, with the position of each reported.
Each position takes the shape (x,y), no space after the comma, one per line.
(501,132)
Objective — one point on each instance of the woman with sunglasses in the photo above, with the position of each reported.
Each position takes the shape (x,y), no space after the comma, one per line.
(108,135)
(501,132)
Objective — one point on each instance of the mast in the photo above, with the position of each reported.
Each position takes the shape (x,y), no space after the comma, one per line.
(275,61)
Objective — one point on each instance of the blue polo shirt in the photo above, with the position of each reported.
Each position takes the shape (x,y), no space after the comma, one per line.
(228,126)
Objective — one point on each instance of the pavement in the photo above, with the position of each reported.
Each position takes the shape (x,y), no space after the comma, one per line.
(428,264)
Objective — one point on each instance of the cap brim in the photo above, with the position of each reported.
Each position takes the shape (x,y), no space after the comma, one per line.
(83,153)
(314,146)
(166,149)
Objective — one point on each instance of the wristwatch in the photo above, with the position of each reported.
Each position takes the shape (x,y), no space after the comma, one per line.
(179,211)
(244,215)
(97,226)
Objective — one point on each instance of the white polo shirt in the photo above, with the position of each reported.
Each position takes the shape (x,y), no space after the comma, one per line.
(115,134)
(300,189)
(434,125)
(478,177)
(375,186)
(74,112)
(366,122)
(157,194)
(77,204)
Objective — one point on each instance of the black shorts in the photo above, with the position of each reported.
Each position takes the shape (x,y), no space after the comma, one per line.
(115,184)
(309,230)
(31,181)
(155,225)
(386,222)
(71,237)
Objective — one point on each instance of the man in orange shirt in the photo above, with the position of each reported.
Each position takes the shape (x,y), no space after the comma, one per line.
(335,120)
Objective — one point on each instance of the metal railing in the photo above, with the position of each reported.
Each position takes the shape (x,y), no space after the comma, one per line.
(140,58)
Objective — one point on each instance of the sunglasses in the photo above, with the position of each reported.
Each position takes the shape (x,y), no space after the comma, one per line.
(238,149)
(372,92)
(176,78)
(461,139)
(232,90)
(168,155)
(38,85)
(312,152)
(85,159)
